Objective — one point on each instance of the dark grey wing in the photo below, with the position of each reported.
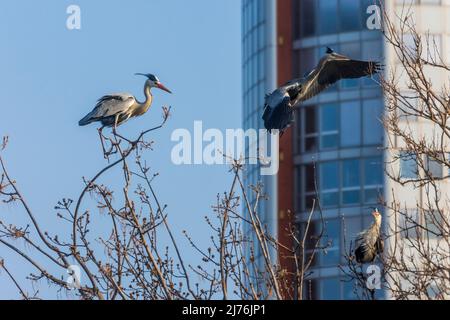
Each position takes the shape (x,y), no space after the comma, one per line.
(363,252)
(311,86)
(330,69)
(339,68)
(380,245)
(368,243)
(278,112)
(109,106)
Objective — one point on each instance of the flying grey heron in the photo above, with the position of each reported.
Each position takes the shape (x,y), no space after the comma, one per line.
(369,242)
(114,109)
(280,104)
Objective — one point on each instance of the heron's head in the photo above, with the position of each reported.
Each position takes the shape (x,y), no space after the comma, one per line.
(153,81)
(335,54)
(377,216)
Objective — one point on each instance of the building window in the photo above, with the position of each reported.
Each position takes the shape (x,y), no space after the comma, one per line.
(261,63)
(407,106)
(307,17)
(433,47)
(331,255)
(311,289)
(372,51)
(350,123)
(341,182)
(297,132)
(373,179)
(372,127)
(351,184)
(321,127)
(322,17)
(349,14)
(408,165)
(433,2)
(312,240)
(408,224)
(433,168)
(406,2)
(351,291)
(410,45)
(350,229)
(329,183)
(433,224)
(311,129)
(309,186)
(329,120)
(328,13)
(331,288)
(312,236)
(308,61)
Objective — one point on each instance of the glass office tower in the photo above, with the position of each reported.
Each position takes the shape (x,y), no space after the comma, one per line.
(337,141)
(338,135)
(259,78)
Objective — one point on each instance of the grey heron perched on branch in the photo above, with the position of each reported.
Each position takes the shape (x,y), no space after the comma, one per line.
(280,104)
(369,242)
(114,109)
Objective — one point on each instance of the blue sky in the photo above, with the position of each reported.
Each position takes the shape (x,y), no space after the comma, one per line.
(51,77)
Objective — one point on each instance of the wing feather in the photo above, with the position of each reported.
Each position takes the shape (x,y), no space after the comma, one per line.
(368,244)
(332,68)
(337,69)
(312,86)
(109,106)
(113,104)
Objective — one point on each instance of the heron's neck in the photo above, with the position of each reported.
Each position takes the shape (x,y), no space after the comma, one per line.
(144,106)
(377,224)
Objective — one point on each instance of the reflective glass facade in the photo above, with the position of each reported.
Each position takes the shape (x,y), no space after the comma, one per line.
(338,137)
(258,72)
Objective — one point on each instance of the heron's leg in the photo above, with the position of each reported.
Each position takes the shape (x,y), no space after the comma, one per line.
(116,120)
(100,133)
(115,130)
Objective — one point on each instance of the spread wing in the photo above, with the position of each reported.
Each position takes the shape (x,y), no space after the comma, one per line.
(341,67)
(109,105)
(311,86)
(333,68)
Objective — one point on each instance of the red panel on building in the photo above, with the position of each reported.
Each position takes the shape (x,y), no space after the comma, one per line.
(286,171)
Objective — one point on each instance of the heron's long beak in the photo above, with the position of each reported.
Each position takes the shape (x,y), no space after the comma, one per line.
(162,87)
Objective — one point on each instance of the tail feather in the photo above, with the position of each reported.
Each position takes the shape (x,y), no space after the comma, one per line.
(86,120)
